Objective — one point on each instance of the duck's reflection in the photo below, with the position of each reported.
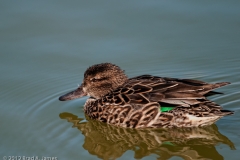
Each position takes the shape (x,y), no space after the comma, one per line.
(110,142)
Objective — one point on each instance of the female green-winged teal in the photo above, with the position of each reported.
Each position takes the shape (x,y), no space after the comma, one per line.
(146,101)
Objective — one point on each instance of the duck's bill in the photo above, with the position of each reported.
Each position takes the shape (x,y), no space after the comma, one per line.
(78,93)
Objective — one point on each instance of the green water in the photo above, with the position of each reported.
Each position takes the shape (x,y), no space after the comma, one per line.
(46,46)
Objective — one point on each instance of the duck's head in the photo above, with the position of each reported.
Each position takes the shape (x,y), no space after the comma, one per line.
(99,80)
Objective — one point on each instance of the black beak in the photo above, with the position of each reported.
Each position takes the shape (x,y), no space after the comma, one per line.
(78,93)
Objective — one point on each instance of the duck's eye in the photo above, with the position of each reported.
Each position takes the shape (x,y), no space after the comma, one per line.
(98,79)
(94,79)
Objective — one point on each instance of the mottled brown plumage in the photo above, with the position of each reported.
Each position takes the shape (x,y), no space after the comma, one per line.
(137,102)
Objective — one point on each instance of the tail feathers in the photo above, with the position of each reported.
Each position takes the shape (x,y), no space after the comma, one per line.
(212,93)
(225,112)
(215,109)
(208,109)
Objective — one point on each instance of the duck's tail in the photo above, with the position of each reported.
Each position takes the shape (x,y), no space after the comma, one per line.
(213,109)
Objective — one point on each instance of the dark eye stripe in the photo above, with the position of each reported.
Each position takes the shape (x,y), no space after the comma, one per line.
(98,79)
(93,79)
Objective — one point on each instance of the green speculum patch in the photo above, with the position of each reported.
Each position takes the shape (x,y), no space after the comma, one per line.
(166,107)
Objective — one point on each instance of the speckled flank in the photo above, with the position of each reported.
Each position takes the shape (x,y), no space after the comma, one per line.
(131,116)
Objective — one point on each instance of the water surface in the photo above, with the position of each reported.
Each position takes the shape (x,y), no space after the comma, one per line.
(46,47)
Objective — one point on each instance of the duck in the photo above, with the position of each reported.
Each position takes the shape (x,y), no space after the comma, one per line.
(146,101)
